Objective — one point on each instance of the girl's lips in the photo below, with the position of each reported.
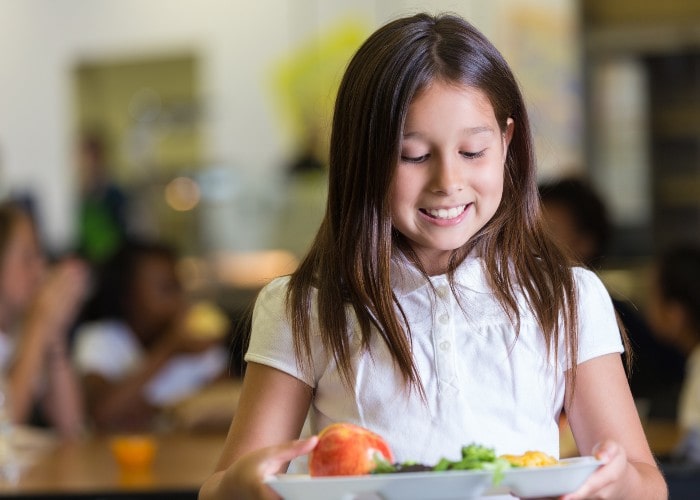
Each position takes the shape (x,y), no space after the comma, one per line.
(444,213)
(444,216)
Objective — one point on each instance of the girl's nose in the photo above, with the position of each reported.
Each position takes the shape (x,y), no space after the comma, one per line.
(447,178)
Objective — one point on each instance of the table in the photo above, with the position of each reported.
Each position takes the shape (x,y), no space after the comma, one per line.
(86,469)
(663,436)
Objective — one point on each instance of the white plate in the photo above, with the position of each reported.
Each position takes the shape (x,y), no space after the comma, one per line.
(451,485)
(524,482)
(551,481)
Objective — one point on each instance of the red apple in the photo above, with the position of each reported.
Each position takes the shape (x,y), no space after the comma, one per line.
(345,449)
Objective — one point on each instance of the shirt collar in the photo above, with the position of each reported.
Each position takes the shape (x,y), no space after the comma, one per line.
(406,278)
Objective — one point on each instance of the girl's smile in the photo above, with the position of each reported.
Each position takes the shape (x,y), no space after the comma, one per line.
(449,180)
(444,213)
(445,217)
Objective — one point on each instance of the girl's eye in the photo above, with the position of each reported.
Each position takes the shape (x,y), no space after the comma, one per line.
(414,159)
(472,156)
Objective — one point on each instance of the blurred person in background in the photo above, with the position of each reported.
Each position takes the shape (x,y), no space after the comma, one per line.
(103,204)
(307,160)
(578,219)
(38,306)
(674,315)
(141,347)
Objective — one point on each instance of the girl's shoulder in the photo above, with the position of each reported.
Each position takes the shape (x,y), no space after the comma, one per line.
(272,298)
(104,341)
(275,289)
(105,328)
(473,274)
(588,282)
(592,295)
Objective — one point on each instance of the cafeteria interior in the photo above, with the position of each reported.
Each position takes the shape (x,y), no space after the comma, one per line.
(207,124)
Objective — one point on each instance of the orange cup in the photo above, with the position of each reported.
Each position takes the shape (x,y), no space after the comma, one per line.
(134,453)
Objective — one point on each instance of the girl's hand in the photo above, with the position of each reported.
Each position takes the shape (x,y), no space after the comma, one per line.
(61,295)
(179,340)
(244,480)
(608,479)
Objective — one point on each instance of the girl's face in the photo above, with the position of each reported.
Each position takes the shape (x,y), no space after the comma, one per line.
(21,269)
(449,180)
(156,296)
(665,317)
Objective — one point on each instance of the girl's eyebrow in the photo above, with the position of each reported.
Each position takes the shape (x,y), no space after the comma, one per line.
(477,130)
(466,131)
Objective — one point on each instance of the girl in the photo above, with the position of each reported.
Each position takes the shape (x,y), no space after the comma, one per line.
(37,310)
(431,308)
(136,350)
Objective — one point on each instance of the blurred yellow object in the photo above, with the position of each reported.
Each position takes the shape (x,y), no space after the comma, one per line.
(252,270)
(134,452)
(206,321)
(531,459)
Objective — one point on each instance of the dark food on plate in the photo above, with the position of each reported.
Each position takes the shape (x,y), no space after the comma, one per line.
(474,457)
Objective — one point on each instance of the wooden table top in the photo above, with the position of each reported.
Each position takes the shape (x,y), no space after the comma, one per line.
(663,437)
(182,463)
(87,468)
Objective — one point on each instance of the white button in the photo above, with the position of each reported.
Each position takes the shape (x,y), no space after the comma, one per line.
(445,346)
(442,292)
(444,319)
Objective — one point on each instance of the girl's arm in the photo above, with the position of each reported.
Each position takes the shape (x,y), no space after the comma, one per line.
(121,405)
(270,415)
(605,422)
(64,398)
(25,373)
(118,405)
(42,351)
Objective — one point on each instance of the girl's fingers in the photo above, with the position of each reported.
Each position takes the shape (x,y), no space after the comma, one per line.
(614,461)
(249,473)
(276,456)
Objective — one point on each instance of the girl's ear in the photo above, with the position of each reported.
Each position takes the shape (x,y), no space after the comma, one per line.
(508,134)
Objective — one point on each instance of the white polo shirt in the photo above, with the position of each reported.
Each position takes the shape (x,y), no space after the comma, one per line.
(110,349)
(482,385)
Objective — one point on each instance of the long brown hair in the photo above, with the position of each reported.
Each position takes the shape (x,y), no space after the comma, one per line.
(10,213)
(348,264)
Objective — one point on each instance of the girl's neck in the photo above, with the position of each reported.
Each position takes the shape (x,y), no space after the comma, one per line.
(431,266)
(434,266)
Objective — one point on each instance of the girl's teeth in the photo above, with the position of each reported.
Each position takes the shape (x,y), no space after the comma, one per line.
(444,213)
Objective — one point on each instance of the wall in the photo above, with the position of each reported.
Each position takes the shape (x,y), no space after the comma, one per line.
(42,40)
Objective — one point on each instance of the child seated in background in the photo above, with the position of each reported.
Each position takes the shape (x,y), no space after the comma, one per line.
(38,305)
(578,218)
(674,315)
(139,350)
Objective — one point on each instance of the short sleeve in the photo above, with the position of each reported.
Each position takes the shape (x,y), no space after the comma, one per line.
(599,332)
(184,375)
(271,340)
(105,348)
